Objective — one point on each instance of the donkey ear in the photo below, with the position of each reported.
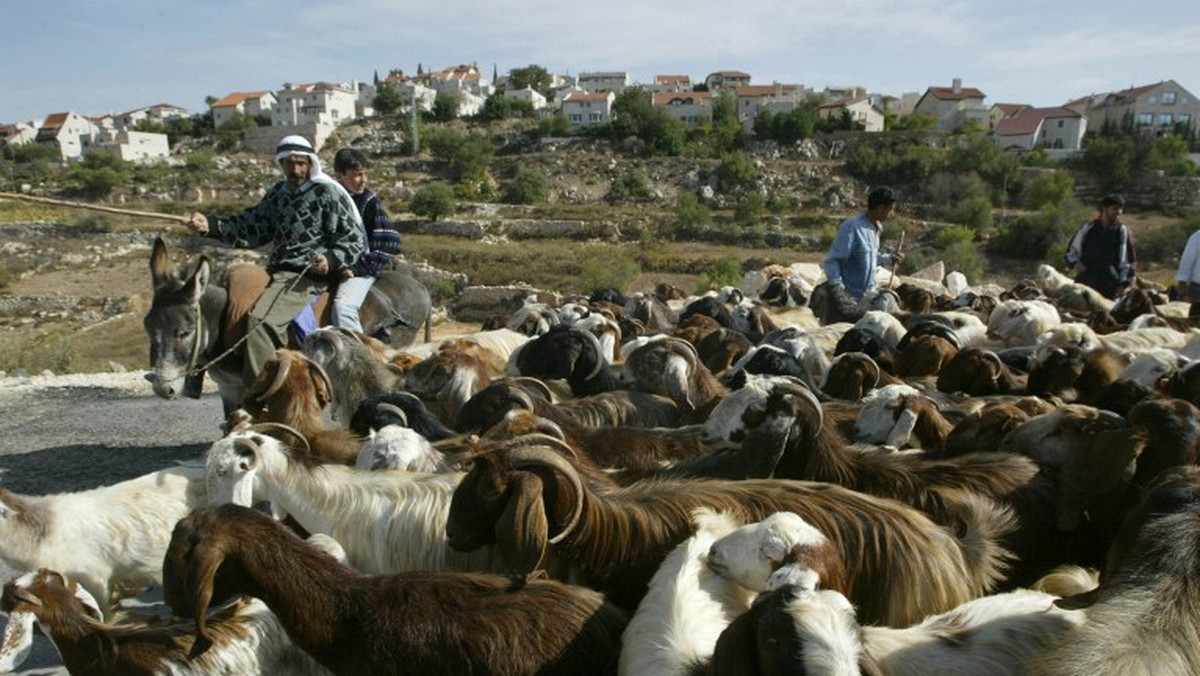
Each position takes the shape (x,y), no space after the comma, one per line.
(160,263)
(198,282)
(523,529)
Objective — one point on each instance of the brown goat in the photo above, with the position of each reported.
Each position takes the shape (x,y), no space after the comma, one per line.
(529,499)
(978,372)
(924,355)
(451,376)
(852,375)
(293,390)
(672,368)
(407,623)
(246,639)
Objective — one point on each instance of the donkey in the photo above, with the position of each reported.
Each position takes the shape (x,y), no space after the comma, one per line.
(191,323)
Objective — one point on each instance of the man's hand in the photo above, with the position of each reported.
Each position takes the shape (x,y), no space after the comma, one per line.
(197,223)
(319,263)
(897,258)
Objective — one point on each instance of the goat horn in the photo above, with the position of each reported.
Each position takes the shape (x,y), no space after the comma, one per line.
(875,365)
(284,365)
(536,384)
(321,372)
(393,409)
(532,455)
(23,594)
(797,387)
(268,426)
(601,362)
(535,438)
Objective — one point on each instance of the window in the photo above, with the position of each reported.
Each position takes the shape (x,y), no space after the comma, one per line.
(1145,119)
(575,117)
(1165,119)
(1061,123)
(1168,98)
(1184,119)
(1152,99)
(594,117)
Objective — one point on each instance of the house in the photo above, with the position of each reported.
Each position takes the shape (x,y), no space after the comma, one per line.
(131,146)
(691,108)
(775,98)
(599,82)
(862,113)
(411,90)
(999,111)
(725,79)
(65,133)
(159,112)
(954,106)
(838,93)
(527,94)
(1162,107)
(671,83)
(584,108)
(18,133)
(1055,128)
(255,104)
(319,103)
(457,79)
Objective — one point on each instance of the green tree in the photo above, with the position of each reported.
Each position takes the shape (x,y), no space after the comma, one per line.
(445,107)
(497,106)
(467,155)
(690,217)
(555,124)
(433,201)
(533,76)
(528,186)
(750,209)
(632,186)
(100,173)
(1111,161)
(1052,187)
(737,171)
(200,161)
(387,100)
(1169,153)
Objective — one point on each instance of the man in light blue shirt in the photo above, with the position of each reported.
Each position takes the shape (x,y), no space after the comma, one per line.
(854,255)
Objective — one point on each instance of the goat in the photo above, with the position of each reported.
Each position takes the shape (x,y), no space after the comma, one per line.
(293,390)
(617,408)
(451,376)
(355,372)
(398,447)
(750,554)
(870,343)
(1073,373)
(652,311)
(246,637)
(615,538)
(422,622)
(772,360)
(109,539)
(398,408)
(979,372)
(778,417)
(387,521)
(1143,618)
(897,414)
(796,628)
(677,623)
(1020,322)
(924,355)
(671,367)
(852,375)
(571,354)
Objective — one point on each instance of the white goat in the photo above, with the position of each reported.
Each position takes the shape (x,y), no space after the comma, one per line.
(108,539)
(752,554)
(388,521)
(883,325)
(1141,340)
(1020,322)
(398,447)
(677,622)
(878,421)
(1152,366)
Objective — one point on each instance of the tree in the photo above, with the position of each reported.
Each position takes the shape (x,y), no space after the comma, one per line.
(434,201)
(528,186)
(690,217)
(100,173)
(1111,161)
(555,124)
(533,76)
(750,209)
(387,100)
(632,186)
(737,172)
(497,106)
(445,107)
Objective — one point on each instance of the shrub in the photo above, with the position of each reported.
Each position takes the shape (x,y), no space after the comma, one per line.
(725,271)
(974,212)
(691,217)
(434,201)
(632,186)
(528,186)
(1164,244)
(1041,235)
(100,173)
(1049,188)
(737,171)
(607,266)
(750,209)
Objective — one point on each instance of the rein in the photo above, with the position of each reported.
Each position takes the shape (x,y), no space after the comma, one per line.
(197,344)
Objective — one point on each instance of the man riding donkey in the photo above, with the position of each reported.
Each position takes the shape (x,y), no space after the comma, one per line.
(318,237)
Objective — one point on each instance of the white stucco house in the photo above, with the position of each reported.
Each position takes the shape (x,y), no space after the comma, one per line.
(583,108)
(862,113)
(18,133)
(954,106)
(242,103)
(527,94)
(320,103)
(599,82)
(65,133)
(691,108)
(131,146)
(1055,128)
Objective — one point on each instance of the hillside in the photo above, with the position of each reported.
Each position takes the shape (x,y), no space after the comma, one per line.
(74,285)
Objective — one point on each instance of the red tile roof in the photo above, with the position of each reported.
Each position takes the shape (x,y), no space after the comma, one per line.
(685,98)
(1027,121)
(672,79)
(238,97)
(948,93)
(54,120)
(585,96)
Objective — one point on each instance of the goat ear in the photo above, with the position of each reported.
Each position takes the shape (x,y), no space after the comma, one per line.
(773,547)
(1079,601)
(461,386)
(17,640)
(202,569)
(523,529)
(87,600)
(320,388)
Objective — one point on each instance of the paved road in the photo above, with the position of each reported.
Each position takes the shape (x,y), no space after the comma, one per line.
(72,433)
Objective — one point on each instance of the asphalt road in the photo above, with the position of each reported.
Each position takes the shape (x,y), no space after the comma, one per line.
(72,433)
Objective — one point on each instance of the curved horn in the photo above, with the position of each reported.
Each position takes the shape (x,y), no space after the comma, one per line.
(22,594)
(594,342)
(797,387)
(523,455)
(284,366)
(534,383)
(875,365)
(265,427)
(321,372)
(384,407)
(535,438)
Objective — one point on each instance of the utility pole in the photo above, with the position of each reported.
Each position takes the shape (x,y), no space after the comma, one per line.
(412,112)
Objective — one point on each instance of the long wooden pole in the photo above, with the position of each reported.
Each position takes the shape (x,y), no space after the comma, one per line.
(899,249)
(94,207)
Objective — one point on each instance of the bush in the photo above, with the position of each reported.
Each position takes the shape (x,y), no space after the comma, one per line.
(100,173)
(607,266)
(528,186)
(1038,236)
(964,257)
(750,209)
(737,171)
(1164,244)
(974,212)
(632,186)
(726,271)
(691,217)
(1050,188)
(434,201)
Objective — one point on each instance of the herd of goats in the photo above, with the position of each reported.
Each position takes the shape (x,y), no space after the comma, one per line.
(772,479)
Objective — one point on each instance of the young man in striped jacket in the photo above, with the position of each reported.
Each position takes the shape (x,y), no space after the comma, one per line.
(383,240)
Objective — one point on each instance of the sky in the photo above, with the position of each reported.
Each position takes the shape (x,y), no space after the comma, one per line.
(98,56)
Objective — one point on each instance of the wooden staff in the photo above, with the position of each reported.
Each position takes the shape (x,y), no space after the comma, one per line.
(895,263)
(94,207)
